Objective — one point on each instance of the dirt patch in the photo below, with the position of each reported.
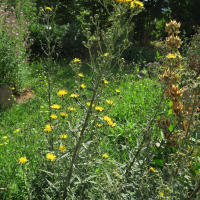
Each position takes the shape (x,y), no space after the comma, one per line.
(25,95)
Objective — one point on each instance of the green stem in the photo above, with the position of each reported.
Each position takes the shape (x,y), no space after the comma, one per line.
(81,135)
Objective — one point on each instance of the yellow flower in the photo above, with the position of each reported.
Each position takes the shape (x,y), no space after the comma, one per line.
(53,117)
(144,61)
(161,193)
(16,130)
(62,148)
(89,104)
(99,108)
(13,88)
(80,75)
(118,92)
(94,159)
(105,155)
(111,123)
(76,60)
(41,106)
(110,102)
(171,56)
(56,106)
(23,160)
(51,157)
(152,169)
(63,136)
(48,8)
(5,137)
(105,81)
(175,164)
(71,108)
(48,128)
(62,92)
(106,118)
(63,114)
(138,3)
(83,86)
(74,95)
(105,54)
(99,125)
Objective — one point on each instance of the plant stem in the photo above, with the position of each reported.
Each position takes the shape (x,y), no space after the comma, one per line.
(81,135)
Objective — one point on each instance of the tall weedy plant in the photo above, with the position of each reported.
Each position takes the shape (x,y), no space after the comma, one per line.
(14,43)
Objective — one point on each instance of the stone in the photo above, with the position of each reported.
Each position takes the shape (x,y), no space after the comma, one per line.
(5,94)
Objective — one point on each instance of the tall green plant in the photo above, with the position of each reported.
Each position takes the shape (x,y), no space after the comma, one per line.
(14,43)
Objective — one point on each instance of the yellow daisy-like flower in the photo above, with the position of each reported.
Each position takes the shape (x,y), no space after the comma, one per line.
(51,157)
(5,137)
(63,114)
(17,130)
(13,88)
(110,102)
(171,56)
(47,128)
(105,155)
(56,106)
(71,108)
(41,106)
(106,118)
(99,125)
(111,123)
(62,93)
(83,86)
(74,95)
(53,116)
(118,92)
(63,136)
(77,60)
(161,193)
(139,3)
(80,75)
(89,104)
(105,81)
(23,160)
(62,148)
(99,108)
(153,170)
(106,54)
(48,8)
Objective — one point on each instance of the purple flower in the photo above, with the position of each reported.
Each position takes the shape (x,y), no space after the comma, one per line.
(12,7)
(23,61)
(27,67)
(28,58)
(191,50)
(16,59)
(17,34)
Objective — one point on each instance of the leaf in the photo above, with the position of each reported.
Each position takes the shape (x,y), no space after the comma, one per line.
(158,161)
(170,112)
(171,127)
(170,103)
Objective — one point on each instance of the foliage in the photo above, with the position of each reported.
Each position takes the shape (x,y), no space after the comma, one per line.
(14,44)
(102,134)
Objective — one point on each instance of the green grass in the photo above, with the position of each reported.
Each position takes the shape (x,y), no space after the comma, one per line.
(133,108)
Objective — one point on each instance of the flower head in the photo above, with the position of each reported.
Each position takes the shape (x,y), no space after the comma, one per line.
(48,8)
(56,106)
(5,137)
(63,136)
(118,92)
(110,102)
(80,75)
(153,170)
(62,92)
(99,108)
(51,157)
(71,108)
(47,128)
(62,148)
(63,114)
(89,104)
(105,81)
(23,160)
(105,155)
(53,116)
(77,60)
(83,86)
(74,95)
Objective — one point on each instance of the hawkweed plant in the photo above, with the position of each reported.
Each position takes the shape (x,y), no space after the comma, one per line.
(67,152)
